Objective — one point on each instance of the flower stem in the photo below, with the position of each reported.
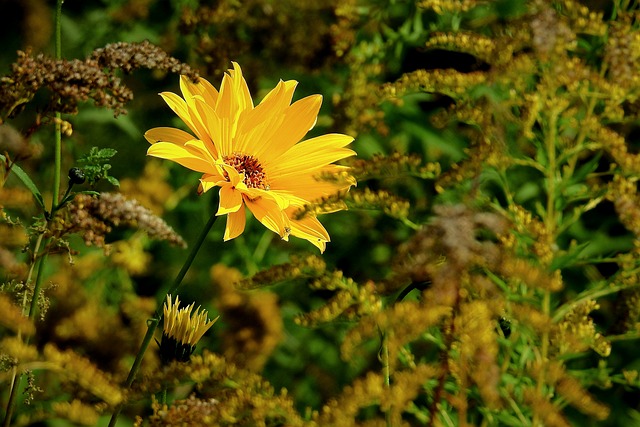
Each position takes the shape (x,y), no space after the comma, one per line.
(153,322)
(386,371)
(15,376)
(58,132)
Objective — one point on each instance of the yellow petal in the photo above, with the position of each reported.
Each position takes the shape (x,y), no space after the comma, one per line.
(282,199)
(203,88)
(258,126)
(208,181)
(235,224)
(235,178)
(309,228)
(180,155)
(179,106)
(269,214)
(167,134)
(306,189)
(240,89)
(230,200)
(299,118)
(234,96)
(284,89)
(200,149)
(220,137)
(312,154)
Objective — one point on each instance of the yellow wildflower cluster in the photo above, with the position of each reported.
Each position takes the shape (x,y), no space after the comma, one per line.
(130,254)
(576,332)
(525,224)
(11,317)
(571,390)
(450,6)
(392,166)
(151,189)
(623,193)
(18,351)
(299,267)
(477,349)
(227,395)
(77,412)
(78,316)
(481,47)
(389,203)
(79,370)
(583,19)
(523,271)
(545,411)
(253,319)
(530,316)
(402,323)
(350,300)
(449,82)
(367,391)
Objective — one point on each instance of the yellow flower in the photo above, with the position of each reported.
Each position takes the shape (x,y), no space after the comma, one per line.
(253,153)
(182,330)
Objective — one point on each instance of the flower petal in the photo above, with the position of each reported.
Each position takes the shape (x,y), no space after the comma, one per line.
(235,224)
(240,89)
(309,228)
(269,214)
(299,118)
(179,106)
(208,181)
(234,96)
(181,155)
(258,126)
(218,130)
(203,88)
(311,154)
(167,134)
(201,149)
(230,200)
(310,186)
(282,199)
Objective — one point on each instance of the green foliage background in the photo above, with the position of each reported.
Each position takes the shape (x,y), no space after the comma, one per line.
(535,126)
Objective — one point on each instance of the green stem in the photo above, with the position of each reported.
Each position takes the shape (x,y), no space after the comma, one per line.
(15,376)
(58,131)
(153,322)
(386,370)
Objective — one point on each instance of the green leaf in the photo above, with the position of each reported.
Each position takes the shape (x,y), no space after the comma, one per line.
(113,181)
(20,173)
(567,259)
(96,165)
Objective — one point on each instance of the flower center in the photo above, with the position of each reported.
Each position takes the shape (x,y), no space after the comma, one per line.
(254,175)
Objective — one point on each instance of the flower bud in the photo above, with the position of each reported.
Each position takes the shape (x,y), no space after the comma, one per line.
(76,176)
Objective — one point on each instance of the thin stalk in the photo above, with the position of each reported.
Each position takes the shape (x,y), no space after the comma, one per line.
(58,131)
(551,228)
(15,378)
(153,322)
(386,370)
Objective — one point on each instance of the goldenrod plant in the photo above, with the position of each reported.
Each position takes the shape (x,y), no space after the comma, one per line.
(461,177)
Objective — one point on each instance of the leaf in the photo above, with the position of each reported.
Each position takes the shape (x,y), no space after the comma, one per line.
(569,258)
(113,181)
(26,180)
